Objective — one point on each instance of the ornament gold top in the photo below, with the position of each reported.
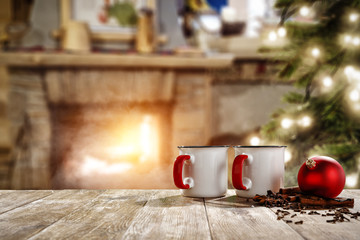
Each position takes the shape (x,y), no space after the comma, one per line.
(310,163)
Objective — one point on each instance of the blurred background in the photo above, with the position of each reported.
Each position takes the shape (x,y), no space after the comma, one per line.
(99,93)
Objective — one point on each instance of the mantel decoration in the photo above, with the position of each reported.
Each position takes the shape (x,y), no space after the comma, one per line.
(322,58)
(108,20)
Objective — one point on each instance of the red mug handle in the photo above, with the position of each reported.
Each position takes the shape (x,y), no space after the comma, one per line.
(177,172)
(237,172)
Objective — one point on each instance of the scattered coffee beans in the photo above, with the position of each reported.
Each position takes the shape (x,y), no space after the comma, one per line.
(292,199)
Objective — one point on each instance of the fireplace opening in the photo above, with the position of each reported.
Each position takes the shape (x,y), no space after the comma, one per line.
(108,146)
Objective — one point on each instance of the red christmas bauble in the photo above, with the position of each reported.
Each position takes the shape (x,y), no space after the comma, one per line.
(322,176)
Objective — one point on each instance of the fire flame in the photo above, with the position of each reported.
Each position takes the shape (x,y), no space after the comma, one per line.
(145,138)
(139,144)
(120,151)
(92,165)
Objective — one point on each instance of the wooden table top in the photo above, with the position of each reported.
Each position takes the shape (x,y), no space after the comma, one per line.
(155,214)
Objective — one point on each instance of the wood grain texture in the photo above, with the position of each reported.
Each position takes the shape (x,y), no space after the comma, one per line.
(105,217)
(27,220)
(168,215)
(155,214)
(316,227)
(112,60)
(232,217)
(11,199)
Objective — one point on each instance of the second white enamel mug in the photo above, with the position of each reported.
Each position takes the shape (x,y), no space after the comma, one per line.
(257,169)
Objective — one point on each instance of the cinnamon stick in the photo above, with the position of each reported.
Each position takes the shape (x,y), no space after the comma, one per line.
(290,190)
(326,202)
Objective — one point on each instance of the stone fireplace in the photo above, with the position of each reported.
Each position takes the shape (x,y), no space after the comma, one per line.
(119,129)
(101,124)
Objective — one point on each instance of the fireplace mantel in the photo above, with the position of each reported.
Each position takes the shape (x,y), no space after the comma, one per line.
(23,59)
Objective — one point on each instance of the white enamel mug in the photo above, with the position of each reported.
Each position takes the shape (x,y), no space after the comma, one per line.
(201,171)
(257,169)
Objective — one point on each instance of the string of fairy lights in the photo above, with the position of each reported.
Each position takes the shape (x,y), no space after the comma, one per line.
(352,73)
(327,82)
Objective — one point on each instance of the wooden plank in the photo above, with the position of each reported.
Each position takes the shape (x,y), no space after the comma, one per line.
(105,217)
(351,193)
(168,215)
(155,214)
(232,217)
(11,199)
(25,221)
(112,60)
(316,227)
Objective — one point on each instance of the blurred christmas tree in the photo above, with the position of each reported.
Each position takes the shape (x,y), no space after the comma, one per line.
(322,58)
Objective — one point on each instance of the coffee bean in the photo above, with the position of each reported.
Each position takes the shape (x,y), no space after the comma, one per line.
(292,199)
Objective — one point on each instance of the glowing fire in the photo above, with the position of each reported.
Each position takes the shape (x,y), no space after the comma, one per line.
(92,165)
(137,144)
(145,138)
(120,151)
